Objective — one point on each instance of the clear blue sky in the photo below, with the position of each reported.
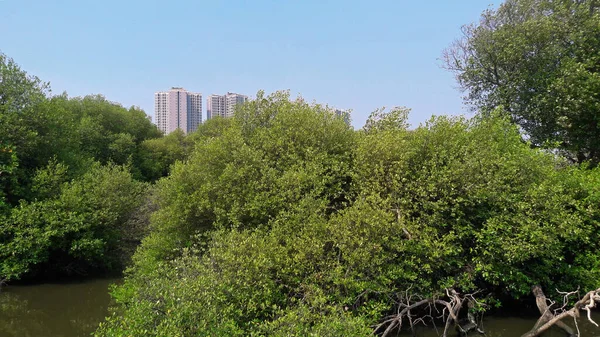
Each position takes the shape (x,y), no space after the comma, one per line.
(359,55)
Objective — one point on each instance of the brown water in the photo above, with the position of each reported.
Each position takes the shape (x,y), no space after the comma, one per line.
(515,327)
(53,310)
(75,309)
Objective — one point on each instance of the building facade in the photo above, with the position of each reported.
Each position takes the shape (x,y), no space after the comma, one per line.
(223,105)
(215,106)
(231,101)
(177,109)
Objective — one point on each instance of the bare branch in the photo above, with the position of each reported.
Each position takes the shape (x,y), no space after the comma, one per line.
(449,314)
(588,302)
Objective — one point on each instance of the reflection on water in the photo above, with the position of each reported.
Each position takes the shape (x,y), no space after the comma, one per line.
(53,310)
(515,327)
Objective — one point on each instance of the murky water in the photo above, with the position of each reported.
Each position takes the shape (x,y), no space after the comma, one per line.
(515,327)
(53,310)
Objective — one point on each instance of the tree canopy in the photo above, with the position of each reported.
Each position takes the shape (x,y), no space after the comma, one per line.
(70,177)
(288,223)
(539,60)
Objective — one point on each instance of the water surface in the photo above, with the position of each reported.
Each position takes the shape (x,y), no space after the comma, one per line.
(515,327)
(53,309)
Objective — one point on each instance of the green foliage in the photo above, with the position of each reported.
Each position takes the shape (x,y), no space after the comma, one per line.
(245,279)
(106,130)
(284,221)
(287,223)
(503,214)
(8,163)
(539,60)
(47,182)
(74,231)
(74,132)
(61,211)
(326,322)
(275,156)
(380,120)
(156,155)
(18,91)
(19,95)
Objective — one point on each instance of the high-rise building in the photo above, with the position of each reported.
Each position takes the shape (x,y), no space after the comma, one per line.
(177,109)
(223,105)
(231,101)
(215,106)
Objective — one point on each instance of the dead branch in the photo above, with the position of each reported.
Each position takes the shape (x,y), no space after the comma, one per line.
(451,307)
(548,319)
(546,315)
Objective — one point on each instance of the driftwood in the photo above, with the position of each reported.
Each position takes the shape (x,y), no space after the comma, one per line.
(450,308)
(546,314)
(549,318)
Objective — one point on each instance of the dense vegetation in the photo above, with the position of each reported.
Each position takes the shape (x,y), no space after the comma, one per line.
(72,174)
(287,222)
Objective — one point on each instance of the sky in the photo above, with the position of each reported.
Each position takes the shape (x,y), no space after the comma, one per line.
(359,55)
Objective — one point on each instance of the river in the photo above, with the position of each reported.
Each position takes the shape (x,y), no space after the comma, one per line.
(75,309)
(53,309)
(515,327)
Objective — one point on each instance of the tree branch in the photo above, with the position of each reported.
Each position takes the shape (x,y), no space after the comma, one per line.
(548,320)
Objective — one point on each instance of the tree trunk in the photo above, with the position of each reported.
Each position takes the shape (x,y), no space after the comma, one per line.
(587,303)
(547,315)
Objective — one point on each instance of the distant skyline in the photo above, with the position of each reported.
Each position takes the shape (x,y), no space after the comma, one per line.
(358,55)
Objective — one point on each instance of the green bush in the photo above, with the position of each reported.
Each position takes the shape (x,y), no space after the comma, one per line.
(60,211)
(288,223)
(272,159)
(75,232)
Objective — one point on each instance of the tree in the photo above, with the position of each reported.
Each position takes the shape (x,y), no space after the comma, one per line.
(36,128)
(248,170)
(539,60)
(18,91)
(66,188)
(155,156)
(106,131)
(8,163)
(287,223)
(20,94)
(74,231)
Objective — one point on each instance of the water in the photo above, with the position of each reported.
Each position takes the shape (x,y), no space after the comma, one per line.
(53,310)
(75,309)
(515,327)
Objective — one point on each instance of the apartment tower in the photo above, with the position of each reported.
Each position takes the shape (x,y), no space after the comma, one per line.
(223,105)
(177,109)
(215,106)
